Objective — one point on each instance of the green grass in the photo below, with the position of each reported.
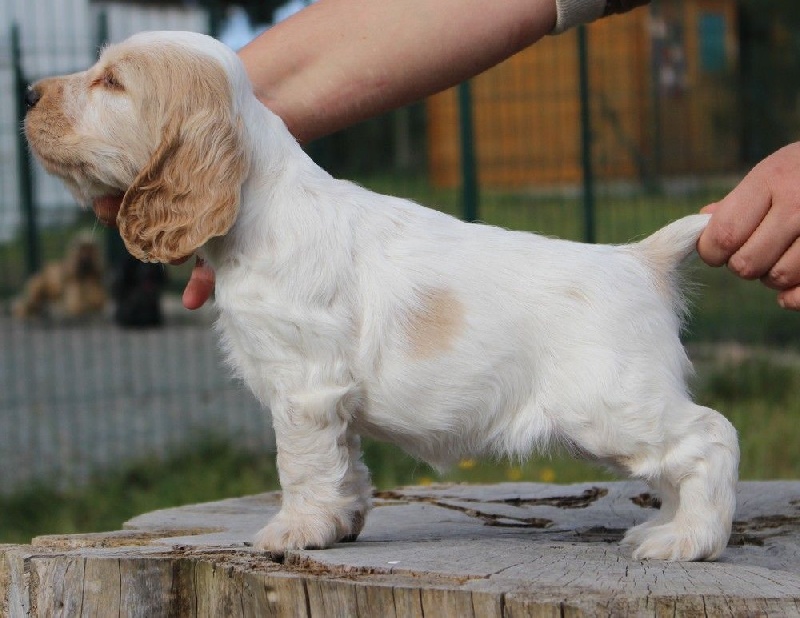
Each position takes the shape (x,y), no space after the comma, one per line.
(756,394)
(209,472)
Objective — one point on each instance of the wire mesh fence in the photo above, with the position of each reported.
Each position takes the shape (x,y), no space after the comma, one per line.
(81,398)
(649,115)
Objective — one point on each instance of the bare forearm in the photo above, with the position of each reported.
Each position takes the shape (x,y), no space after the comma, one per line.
(341,61)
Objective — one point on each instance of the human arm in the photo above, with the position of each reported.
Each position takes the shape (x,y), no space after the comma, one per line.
(755,229)
(338,62)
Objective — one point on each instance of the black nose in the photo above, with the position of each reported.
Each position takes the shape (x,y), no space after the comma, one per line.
(32,96)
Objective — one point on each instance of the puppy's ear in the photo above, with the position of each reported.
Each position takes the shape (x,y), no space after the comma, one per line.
(189,191)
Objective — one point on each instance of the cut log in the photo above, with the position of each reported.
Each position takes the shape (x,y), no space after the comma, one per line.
(517,549)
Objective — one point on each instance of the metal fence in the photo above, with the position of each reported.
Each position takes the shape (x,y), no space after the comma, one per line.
(600,134)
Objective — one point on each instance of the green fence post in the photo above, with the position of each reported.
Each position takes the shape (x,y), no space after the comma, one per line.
(102,30)
(589,231)
(27,199)
(469,175)
(215,14)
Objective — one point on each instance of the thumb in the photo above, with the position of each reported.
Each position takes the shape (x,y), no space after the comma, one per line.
(709,209)
(200,286)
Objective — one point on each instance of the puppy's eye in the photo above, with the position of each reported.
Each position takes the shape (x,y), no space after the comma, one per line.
(109,81)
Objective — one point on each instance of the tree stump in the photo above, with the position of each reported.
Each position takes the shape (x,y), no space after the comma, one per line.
(516,549)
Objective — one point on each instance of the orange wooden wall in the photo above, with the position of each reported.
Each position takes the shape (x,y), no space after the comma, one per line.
(527,111)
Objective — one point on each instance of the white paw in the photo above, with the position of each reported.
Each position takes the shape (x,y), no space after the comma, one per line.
(635,536)
(296,532)
(678,543)
(304,531)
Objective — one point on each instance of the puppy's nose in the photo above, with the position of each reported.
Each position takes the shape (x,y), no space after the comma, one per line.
(32,96)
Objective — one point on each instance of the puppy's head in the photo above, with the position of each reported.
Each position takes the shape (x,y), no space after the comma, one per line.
(155,120)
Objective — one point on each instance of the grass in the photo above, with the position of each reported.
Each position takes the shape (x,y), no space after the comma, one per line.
(756,394)
(209,472)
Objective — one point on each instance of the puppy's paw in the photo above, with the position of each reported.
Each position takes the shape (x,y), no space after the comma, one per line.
(678,543)
(635,536)
(298,531)
(357,522)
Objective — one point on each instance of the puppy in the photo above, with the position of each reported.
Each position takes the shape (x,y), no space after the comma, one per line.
(350,313)
(72,287)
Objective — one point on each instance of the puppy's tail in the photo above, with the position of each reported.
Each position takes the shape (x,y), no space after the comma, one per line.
(665,251)
(667,248)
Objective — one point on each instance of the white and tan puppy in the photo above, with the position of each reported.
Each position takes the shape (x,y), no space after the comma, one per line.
(350,313)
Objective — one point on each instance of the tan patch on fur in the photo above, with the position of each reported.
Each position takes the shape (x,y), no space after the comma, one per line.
(434,325)
(576,294)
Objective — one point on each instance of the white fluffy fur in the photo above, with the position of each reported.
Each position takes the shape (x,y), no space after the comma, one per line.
(351,313)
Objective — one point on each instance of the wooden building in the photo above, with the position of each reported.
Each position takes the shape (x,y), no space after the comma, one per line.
(662,92)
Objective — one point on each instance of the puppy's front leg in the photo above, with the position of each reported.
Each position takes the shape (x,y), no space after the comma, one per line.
(325,485)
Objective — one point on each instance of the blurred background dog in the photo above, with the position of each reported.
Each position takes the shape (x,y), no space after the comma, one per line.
(72,287)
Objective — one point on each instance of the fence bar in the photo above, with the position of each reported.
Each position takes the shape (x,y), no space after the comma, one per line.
(589,229)
(102,30)
(469,174)
(24,162)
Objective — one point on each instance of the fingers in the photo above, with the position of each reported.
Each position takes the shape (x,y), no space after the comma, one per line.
(767,244)
(734,220)
(790,299)
(200,286)
(785,273)
(755,229)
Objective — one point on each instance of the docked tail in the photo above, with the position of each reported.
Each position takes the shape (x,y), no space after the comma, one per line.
(665,249)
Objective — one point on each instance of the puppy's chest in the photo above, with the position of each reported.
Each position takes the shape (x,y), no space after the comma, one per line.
(271,324)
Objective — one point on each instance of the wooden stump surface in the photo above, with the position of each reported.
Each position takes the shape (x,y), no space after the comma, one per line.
(516,549)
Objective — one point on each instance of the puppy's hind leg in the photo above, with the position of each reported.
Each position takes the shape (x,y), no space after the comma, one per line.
(323,500)
(700,469)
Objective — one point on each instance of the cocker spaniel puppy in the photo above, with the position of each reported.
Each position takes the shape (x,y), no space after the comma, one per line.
(72,287)
(350,313)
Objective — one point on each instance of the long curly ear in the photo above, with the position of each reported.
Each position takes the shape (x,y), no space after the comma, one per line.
(189,191)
